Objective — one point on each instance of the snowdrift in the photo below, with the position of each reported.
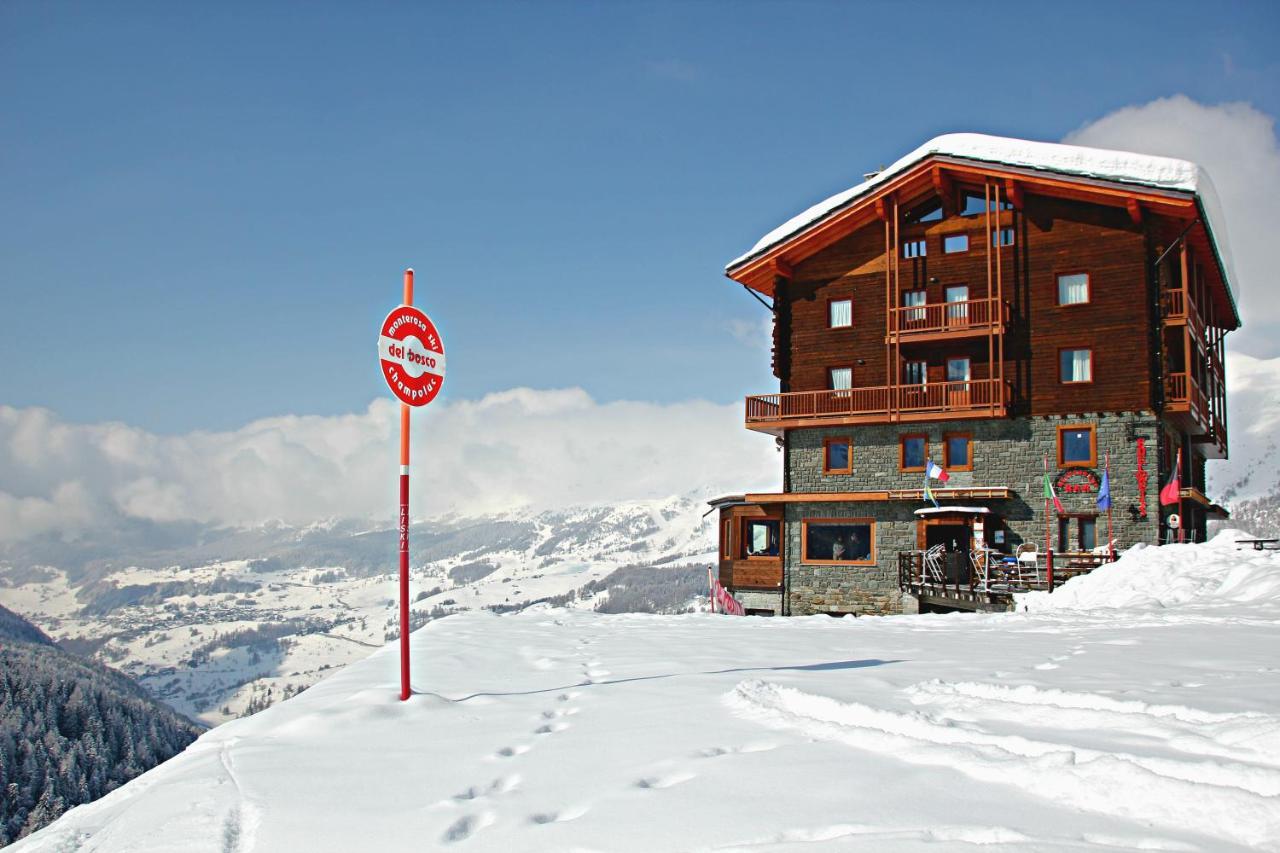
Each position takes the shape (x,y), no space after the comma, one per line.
(1220,572)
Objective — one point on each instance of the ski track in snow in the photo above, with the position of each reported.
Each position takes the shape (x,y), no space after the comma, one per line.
(1180,795)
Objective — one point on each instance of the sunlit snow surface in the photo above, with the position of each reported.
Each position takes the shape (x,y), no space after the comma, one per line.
(1061,728)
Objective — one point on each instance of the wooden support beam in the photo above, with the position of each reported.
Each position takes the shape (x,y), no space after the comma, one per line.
(882,212)
(1014,190)
(946,190)
(782,269)
(1135,210)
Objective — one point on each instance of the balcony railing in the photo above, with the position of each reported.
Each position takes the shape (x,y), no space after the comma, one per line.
(948,319)
(883,404)
(1183,394)
(1178,306)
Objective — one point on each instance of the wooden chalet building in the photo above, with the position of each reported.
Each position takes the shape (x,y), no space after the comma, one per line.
(986,304)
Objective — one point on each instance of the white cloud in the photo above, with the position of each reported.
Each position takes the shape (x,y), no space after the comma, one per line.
(516,448)
(1237,145)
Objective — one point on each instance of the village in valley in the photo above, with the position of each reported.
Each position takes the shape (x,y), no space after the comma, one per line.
(815,464)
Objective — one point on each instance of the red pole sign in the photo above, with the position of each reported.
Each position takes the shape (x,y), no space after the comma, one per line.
(411,356)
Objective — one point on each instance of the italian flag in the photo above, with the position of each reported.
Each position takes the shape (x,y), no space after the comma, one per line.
(1050,494)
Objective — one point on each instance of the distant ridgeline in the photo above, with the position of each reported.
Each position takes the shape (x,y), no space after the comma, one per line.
(71,729)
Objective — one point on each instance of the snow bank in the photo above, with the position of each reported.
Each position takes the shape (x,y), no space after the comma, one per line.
(1220,572)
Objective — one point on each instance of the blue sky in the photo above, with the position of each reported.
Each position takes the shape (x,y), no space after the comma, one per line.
(204,212)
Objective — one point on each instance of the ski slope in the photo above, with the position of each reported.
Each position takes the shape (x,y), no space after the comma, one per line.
(1071,725)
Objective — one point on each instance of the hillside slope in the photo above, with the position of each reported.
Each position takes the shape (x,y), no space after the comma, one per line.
(71,730)
(1070,728)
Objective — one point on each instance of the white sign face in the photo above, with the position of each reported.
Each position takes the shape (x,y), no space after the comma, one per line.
(411,356)
(1174,521)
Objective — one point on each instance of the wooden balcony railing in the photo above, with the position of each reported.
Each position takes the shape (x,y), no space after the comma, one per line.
(948,319)
(883,404)
(1178,306)
(1182,393)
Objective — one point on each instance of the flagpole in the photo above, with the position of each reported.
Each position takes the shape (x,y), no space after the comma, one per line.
(1048,548)
(1182,519)
(1111,542)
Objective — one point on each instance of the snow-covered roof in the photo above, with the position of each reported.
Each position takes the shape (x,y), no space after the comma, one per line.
(935,510)
(1126,167)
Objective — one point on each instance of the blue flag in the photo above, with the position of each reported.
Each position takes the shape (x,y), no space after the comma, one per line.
(1104,491)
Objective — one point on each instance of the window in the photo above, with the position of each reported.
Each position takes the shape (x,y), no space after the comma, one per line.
(726,543)
(1073,288)
(1075,365)
(957,451)
(958,370)
(914,249)
(973,203)
(910,299)
(915,373)
(913,450)
(837,456)
(840,378)
(847,541)
(761,538)
(1002,237)
(958,305)
(840,313)
(955,243)
(1077,445)
(1086,527)
(930,211)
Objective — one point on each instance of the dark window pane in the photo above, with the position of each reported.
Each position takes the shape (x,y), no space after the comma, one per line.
(958,451)
(838,542)
(761,539)
(838,455)
(913,453)
(930,211)
(955,243)
(1076,445)
(972,204)
(1088,534)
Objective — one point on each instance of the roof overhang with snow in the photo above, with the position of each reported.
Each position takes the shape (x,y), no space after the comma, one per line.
(945,510)
(1141,183)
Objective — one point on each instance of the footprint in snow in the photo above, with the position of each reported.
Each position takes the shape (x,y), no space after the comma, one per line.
(667,781)
(511,751)
(550,728)
(466,826)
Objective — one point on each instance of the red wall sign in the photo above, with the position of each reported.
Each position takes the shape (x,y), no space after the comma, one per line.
(1076,481)
(1142,478)
(411,355)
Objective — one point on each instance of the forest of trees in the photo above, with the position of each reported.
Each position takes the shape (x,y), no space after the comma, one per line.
(71,729)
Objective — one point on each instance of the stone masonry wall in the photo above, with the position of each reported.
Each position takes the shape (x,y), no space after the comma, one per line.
(1006,453)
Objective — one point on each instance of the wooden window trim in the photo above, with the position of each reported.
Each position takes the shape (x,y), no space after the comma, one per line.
(998,232)
(832,299)
(946,367)
(804,541)
(925,375)
(1057,289)
(743,540)
(922,254)
(1092,367)
(946,451)
(1092,461)
(726,531)
(826,444)
(968,243)
(902,448)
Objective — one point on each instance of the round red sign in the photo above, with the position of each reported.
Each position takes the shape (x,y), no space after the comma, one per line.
(411,355)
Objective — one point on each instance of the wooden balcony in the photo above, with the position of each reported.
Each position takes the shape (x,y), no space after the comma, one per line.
(752,573)
(948,320)
(1188,403)
(974,398)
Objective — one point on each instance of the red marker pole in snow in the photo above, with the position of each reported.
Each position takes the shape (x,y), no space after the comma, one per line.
(404,523)
(411,356)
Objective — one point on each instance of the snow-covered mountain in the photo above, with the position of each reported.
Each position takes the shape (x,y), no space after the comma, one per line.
(1133,709)
(219,623)
(1253,423)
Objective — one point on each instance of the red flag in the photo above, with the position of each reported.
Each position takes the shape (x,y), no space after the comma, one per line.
(1172,491)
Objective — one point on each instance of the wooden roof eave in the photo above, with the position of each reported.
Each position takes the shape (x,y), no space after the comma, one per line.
(759,272)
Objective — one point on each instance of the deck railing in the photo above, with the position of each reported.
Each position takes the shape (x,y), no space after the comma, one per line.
(882,402)
(970,315)
(1181,390)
